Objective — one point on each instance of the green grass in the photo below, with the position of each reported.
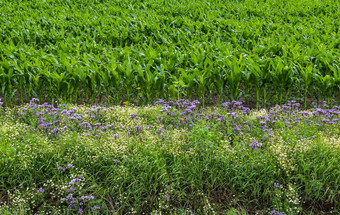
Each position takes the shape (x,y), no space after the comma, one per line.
(263,51)
(209,166)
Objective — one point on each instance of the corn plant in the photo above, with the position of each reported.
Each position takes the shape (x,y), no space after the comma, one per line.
(281,76)
(233,70)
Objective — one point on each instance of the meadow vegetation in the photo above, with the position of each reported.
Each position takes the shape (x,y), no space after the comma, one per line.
(169,158)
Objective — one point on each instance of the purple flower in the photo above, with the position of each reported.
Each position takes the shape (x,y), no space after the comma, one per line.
(87,197)
(276,184)
(325,120)
(139,128)
(166,196)
(70,166)
(69,197)
(167,187)
(134,116)
(255,144)
(275,212)
(95,208)
(71,190)
(80,211)
(61,168)
(263,123)
(40,113)
(80,176)
(34,100)
(73,181)
(41,190)
(115,160)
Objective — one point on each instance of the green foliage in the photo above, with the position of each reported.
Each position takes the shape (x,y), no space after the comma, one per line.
(144,50)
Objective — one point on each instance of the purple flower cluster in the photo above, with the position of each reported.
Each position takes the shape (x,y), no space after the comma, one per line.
(73,181)
(71,190)
(275,212)
(171,108)
(87,197)
(75,201)
(63,169)
(34,101)
(188,107)
(166,196)
(291,115)
(94,208)
(134,116)
(235,105)
(55,121)
(85,125)
(329,116)
(218,117)
(254,145)
(139,129)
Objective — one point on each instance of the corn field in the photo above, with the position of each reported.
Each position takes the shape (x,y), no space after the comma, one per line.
(260,51)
